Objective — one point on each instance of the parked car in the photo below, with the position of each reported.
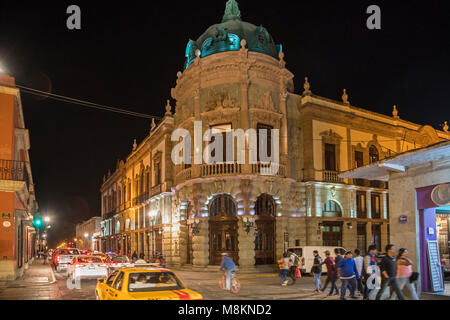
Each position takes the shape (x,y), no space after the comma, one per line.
(143,283)
(305,254)
(63,257)
(87,267)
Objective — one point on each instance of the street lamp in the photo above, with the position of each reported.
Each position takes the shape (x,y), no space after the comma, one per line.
(47,219)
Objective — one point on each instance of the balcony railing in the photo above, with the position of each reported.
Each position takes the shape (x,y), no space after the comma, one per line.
(331,176)
(268,169)
(220,169)
(15,172)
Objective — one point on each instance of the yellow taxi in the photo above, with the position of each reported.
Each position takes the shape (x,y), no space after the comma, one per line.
(101,255)
(143,283)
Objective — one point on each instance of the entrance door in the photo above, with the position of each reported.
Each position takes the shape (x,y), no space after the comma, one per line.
(265,230)
(332,233)
(223,229)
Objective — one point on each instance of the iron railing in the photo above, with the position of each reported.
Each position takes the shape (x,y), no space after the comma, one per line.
(13,170)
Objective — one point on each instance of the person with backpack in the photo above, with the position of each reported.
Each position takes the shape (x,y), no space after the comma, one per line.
(295,261)
(316,270)
(331,274)
(369,268)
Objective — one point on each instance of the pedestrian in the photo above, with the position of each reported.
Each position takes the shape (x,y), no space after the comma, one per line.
(388,268)
(228,266)
(134,257)
(337,258)
(369,268)
(284,264)
(162,261)
(331,274)
(316,270)
(141,256)
(348,274)
(295,261)
(404,273)
(359,260)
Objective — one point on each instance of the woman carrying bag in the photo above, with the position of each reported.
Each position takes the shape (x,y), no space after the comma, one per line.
(405,275)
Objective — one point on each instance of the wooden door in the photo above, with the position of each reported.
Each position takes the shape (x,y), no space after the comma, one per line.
(264,241)
(332,233)
(223,239)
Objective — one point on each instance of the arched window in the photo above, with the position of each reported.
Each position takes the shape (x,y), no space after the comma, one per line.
(265,205)
(222,206)
(332,209)
(373,154)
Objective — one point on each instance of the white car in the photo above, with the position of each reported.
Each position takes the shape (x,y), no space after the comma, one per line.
(306,256)
(87,267)
(120,262)
(64,257)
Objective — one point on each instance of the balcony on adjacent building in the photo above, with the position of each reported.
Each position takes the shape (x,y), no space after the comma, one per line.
(331,176)
(13,175)
(370,183)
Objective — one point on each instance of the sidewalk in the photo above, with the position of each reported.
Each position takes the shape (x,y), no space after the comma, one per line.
(37,274)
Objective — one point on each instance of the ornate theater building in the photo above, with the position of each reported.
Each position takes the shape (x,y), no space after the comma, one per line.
(235,77)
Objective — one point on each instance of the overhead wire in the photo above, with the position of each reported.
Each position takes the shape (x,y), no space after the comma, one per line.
(84,103)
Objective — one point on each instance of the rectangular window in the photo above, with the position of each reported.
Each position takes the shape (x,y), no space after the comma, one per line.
(375,206)
(359,159)
(361,207)
(223,128)
(330,157)
(268,139)
(157,173)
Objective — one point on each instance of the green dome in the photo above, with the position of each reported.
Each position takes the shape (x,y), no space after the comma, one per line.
(227,35)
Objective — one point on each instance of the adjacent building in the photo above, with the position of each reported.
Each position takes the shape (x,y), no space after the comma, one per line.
(87,234)
(235,77)
(419,189)
(17,198)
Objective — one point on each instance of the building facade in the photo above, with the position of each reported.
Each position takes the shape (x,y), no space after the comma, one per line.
(88,233)
(17,198)
(419,181)
(235,77)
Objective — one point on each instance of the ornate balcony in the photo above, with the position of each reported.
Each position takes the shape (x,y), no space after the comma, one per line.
(331,176)
(13,175)
(220,169)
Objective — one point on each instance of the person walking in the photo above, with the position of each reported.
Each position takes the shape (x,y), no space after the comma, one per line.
(369,266)
(162,261)
(388,268)
(359,260)
(284,264)
(142,256)
(404,273)
(134,257)
(337,258)
(228,266)
(331,274)
(348,275)
(316,270)
(294,262)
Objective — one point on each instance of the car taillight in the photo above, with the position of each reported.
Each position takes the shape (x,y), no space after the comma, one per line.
(58,258)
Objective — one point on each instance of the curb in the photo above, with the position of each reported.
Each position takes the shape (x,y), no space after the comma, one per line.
(25,284)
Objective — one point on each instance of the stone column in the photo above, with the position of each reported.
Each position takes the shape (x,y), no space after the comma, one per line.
(246,246)
(369,204)
(280,229)
(244,113)
(369,234)
(284,131)
(384,238)
(182,243)
(200,243)
(349,236)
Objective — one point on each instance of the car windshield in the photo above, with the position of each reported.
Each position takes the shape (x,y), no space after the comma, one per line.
(153,281)
(69,251)
(120,259)
(89,260)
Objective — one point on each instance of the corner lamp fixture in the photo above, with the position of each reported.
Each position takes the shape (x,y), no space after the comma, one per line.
(195,223)
(349,225)
(249,222)
(320,225)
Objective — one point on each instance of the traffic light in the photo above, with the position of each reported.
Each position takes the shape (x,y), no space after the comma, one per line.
(37,222)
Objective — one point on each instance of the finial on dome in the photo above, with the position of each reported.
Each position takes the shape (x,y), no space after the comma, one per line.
(395,112)
(134,145)
(168,108)
(445,127)
(345,97)
(306,87)
(232,11)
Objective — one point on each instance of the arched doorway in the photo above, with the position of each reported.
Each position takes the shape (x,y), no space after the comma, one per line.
(222,229)
(265,230)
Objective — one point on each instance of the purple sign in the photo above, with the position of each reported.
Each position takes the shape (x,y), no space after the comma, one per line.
(403,219)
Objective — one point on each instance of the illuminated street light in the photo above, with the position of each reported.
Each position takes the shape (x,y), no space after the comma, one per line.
(86,235)
(47,219)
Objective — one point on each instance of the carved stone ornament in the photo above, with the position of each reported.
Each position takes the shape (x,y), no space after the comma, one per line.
(345,97)
(266,102)
(282,63)
(135,144)
(445,127)
(306,87)
(395,112)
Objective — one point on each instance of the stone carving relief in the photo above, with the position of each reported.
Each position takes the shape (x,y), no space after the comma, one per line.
(266,102)
(220,101)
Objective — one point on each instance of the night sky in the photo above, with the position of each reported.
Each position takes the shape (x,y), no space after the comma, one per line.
(127,55)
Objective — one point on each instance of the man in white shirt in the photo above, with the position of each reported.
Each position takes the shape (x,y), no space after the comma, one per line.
(359,261)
